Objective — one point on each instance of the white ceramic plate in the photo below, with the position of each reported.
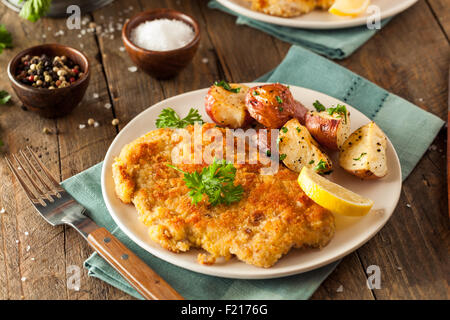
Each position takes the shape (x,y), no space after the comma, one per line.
(351,233)
(319,19)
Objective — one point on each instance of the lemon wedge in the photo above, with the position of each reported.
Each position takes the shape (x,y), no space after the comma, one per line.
(332,196)
(350,8)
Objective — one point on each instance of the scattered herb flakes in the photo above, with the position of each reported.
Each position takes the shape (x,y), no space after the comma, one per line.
(359,158)
(268,153)
(224,84)
(4,97)
(282,156)
(279,100)
(341,109)
(311,162)
(319,106)
(5,38)
(280,109)
(215,181)
(168,118)
(298,129)
(321,166)
(255,93)
(284,129)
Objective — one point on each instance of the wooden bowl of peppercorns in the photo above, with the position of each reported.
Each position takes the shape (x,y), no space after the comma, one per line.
(49,79)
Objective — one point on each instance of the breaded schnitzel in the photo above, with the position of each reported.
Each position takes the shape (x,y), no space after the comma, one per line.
(289,8)
(273,216)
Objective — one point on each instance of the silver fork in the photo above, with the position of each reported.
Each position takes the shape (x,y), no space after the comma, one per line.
(58,207)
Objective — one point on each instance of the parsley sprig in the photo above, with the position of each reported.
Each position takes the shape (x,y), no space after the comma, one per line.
(216,181)
(168,118)
(33,10)
(227,86)
(5,38)
(4,97)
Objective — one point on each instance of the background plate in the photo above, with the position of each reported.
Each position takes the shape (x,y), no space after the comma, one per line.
(351,233)
(319,19)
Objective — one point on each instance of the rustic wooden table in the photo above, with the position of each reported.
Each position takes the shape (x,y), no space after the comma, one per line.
(409,57)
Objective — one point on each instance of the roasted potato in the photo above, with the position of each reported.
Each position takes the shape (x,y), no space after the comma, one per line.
(298,148)
(273,105)
(227,108)
(363,154)
(330,131)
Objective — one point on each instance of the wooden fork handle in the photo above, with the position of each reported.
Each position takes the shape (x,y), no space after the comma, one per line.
(150,285)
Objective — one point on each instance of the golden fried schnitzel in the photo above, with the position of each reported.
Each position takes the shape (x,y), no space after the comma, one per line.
(273,215)
(289,8)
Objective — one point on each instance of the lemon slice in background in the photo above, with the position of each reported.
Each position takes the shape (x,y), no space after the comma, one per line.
(332,196)
(349,7)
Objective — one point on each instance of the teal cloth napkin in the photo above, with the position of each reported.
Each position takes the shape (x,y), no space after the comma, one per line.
(399,119)
(333,43)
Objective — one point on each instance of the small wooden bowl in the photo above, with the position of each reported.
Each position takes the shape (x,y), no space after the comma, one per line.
(161,64)
(51,103)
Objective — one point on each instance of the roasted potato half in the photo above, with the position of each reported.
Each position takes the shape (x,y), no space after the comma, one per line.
(273,105)
(363,154)
(227,108)
(330,131)
(298,148)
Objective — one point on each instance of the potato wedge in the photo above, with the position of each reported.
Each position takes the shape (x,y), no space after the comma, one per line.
(227,108)
(330,131)
(273,105)
(363,154)
(298,149)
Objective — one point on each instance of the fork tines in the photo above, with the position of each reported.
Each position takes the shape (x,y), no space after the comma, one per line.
(37,181)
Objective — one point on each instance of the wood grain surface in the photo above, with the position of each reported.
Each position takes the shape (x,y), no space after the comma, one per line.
(409,57)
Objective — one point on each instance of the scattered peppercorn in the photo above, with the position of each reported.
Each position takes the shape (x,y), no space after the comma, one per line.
(50,73)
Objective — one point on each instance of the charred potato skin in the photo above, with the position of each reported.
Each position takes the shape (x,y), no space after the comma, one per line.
(273,105)
(326,130)
(222,107)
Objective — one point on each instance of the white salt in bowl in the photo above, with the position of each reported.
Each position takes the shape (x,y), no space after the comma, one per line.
(161,64)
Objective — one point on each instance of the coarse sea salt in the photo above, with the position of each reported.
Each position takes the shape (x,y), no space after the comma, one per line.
(162,35)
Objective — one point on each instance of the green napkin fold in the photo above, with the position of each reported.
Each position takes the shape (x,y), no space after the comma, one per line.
(399,119)
(333,43)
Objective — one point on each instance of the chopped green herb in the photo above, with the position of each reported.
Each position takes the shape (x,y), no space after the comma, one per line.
(168,118)
(227,86)
(280,109)
(279,100)
(33,10)
(268,153)
(311,162)
(284,129)
(319,107)
(321,166)
(255,93)
(298,129)
(359,158)
(341,109)
(216,181)
(5,38)
(4,97)
(279,139)
(282,156)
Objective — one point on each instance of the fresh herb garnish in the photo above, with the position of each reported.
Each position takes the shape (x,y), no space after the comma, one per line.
(216,181)
(280,109)
(321,166)
(227,86)
(319,107)
(341,109)
(298,129)
(311,162)
(359,158)
(168,118)
(279,100)
(284,129)
(268,153)
(4,97)
(33,10)
(283,156)
(255,93)
(5,38)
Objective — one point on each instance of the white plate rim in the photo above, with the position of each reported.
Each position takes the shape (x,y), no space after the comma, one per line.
(308,24)
(163,254)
